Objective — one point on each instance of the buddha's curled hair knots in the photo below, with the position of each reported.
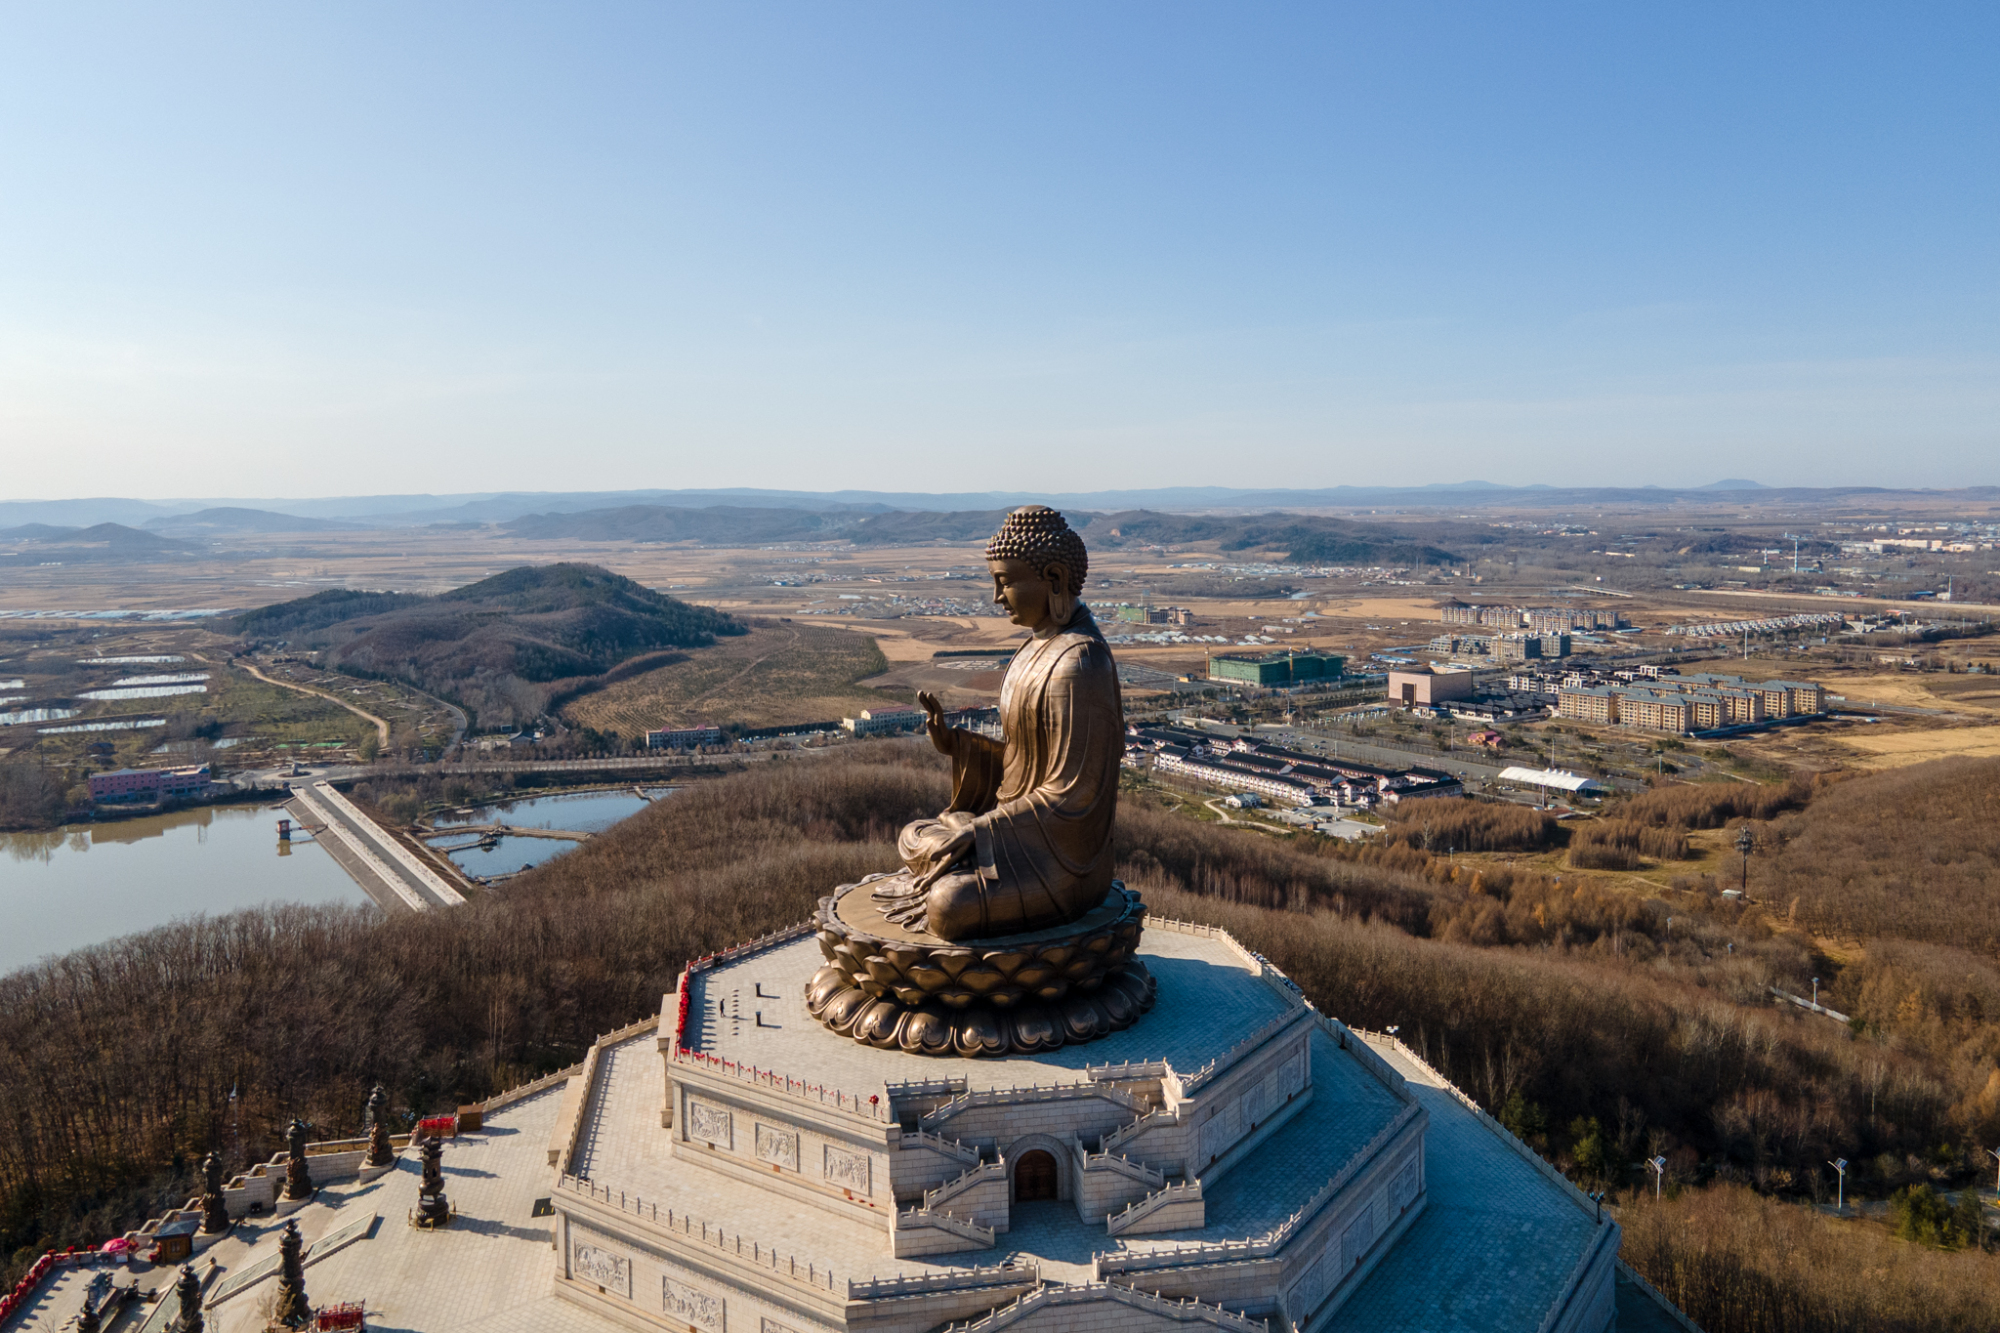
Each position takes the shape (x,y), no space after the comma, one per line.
(1040,536)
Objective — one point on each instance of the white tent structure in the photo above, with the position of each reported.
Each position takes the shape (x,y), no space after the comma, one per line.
(1554,779)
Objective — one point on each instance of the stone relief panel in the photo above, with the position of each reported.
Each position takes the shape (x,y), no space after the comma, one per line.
(592,1263)
(710,1124)
(1310,1289)
(1403,1190)
(1254,1106)
(779,1147)
(1292,1074)
(692,1305)
(773,1326)
(849,1170)
(1360,1234)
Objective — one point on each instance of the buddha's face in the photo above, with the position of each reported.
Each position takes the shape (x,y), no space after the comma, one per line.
(1034,598)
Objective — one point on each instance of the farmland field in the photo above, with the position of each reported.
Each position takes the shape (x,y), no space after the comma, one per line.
(776,674)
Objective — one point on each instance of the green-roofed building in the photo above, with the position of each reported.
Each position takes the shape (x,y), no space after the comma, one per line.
(1276,669)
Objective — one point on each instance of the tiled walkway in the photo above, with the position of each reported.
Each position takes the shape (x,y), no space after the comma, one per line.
(1495,1244)
(491,1270)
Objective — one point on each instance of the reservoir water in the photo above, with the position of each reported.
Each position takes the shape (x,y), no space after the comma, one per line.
(579,812)
(86,883)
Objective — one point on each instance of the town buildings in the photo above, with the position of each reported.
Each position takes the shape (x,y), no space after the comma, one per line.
(887,721)
(151,784)
(1696,702)
(1278,774)
(1537,620)
(685,738)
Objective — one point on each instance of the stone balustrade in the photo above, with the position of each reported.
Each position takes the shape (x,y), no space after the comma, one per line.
(871,1107)
(1187,1310)
(692,1229)
(964,1279)
(920,1231)
(1021,1096)
(1172,1208)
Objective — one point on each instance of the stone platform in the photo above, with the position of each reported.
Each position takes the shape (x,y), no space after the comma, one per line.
(1233,1157)
(1235,1160)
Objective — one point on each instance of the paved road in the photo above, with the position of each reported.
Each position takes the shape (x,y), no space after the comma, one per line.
(387,871)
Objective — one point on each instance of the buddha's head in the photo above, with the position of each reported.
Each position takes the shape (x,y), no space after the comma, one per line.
(1038,565)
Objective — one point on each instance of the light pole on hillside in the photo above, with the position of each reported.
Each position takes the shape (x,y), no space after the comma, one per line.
(1840,1191)
(1746,842)
(1659,1165)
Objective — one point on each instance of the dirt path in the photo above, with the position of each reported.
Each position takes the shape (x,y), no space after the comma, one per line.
(1214,807)
(381,726)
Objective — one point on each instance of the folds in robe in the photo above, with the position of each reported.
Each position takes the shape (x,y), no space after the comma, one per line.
(1040,804)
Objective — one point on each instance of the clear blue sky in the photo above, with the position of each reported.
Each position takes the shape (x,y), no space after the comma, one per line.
(293,249)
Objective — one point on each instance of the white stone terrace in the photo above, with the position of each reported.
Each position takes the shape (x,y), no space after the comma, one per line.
(751,1011)
(622,1146)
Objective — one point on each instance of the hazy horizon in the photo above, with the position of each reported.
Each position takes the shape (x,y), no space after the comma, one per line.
(366,249)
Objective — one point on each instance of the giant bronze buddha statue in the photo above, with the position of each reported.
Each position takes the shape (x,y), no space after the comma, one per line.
(1005,930)
(1026,840)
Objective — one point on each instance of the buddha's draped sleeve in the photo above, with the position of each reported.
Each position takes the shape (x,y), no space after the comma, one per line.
(976,765)
(1047,833)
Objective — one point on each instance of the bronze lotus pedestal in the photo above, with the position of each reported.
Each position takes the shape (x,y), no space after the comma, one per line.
(895,988)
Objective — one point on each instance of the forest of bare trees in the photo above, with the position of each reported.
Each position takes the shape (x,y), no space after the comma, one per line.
(1606,1025)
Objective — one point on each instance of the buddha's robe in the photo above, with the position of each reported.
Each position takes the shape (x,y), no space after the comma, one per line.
(1040,804)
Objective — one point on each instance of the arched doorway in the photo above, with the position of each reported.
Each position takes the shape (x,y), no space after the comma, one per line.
(1034,1177)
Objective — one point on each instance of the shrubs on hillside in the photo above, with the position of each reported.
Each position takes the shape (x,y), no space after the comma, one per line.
(1713,804)
(1910,853)
(1470,826)
(1618,844)
(1737,1262)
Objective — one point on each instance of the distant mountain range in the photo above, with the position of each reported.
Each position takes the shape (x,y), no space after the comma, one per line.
(1303,539)
(402,511)
(43,543)
(229,519)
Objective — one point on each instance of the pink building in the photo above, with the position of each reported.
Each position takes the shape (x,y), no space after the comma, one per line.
(149,784)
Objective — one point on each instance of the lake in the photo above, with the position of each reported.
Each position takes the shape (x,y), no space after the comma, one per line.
(86,883)
(579,812)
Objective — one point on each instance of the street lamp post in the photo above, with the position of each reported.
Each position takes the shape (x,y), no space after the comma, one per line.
(1746,842)
(1659,1166)
(1840,1191)
(1815,992)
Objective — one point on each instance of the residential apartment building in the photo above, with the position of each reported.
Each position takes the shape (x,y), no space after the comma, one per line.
(1651,711)
(1589,703)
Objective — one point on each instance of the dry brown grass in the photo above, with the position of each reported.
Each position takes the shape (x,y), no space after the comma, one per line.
(778,673)
(1897,749)
(1737,1262)
(1907,854)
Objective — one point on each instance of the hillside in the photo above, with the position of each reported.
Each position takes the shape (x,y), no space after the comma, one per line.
(1299,539)
(507,649)
(230,518)
(105,542)
(730,525)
